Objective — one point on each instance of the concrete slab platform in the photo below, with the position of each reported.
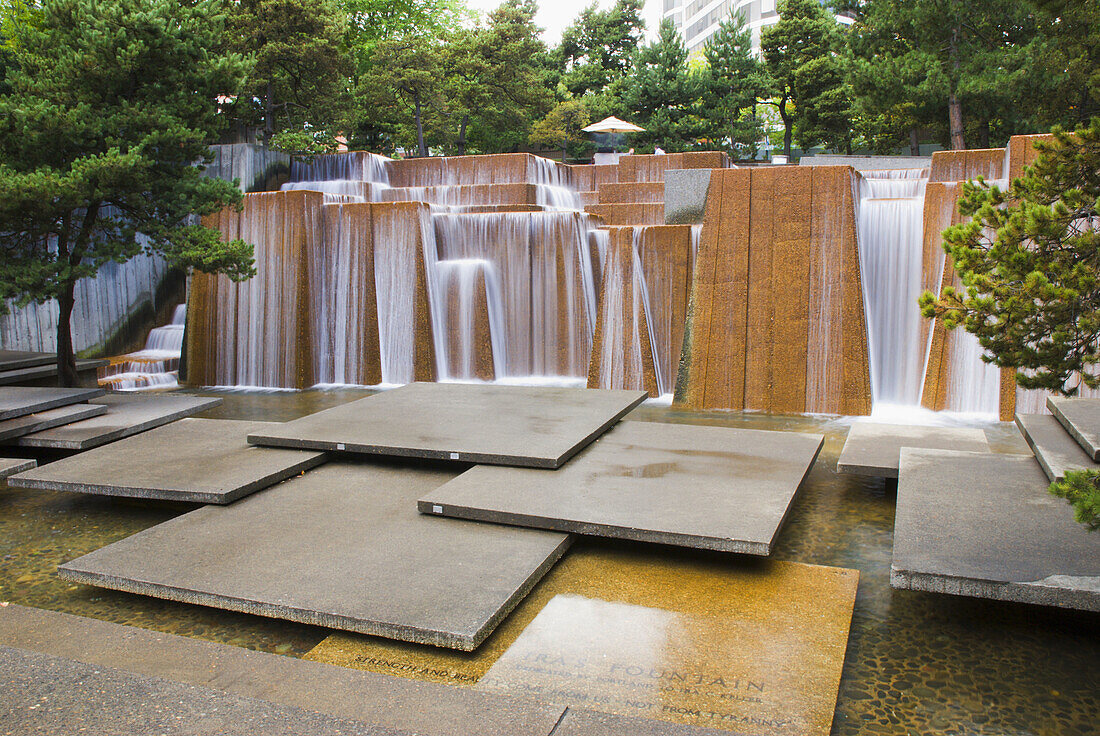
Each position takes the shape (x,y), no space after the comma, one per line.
(197,460)
(341,546)
(18,401)
(477,423)
(52,695)
(127,414)
(658,634)
(1055,449)
(704,487)
(10,466)
(46,375)
(984,525)
(12,359)
(1081,418)
(388,702)
(31,423)
(875,449)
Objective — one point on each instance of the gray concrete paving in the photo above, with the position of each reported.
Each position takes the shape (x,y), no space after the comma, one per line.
(705,487)
(477,423)
(984,525)
(341,546)
(18,401)
(198,460)
(13,359)
(1081,418)
(127,414)
(42,694)
(31,423)
(875,449)
(1055,449)
(46,375)
(389,702)
(11,465)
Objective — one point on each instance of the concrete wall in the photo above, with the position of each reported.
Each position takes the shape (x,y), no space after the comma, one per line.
(868,163)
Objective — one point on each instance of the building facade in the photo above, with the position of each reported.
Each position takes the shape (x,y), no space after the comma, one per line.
(697,20)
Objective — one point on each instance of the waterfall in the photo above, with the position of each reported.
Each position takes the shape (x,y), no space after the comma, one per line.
(891,255)
(352,165)
(470,293)
(154,366)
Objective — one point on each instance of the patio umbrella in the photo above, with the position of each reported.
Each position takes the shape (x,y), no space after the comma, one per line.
(613,125)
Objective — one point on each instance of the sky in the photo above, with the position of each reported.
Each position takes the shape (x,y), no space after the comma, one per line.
(555,15)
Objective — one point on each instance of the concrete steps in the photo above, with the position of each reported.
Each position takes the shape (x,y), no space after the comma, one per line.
(1081,418)
(1054,448)
(632,193)
(629,214)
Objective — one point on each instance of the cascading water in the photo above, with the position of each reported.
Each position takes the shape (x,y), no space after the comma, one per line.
(154,366)
(891,254)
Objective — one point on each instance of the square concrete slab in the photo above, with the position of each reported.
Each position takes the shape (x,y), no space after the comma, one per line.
(127,414)
(984,525)
(17,401)
(341,546)
(875,449)
(1081,418)
(499,425)
(11,466)
(46,375)
(12,359)
(1055,449)
(705,487)
(199,460)
(31,423)
(663,634)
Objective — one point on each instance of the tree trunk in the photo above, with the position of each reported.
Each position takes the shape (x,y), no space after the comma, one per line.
(954,107)
(914,142)
(788,126)
(66,359)
(421,148)
(462,135)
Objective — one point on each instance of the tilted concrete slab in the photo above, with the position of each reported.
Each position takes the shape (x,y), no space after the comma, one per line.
(31,423)
(341,546)
(984,525)
(1055,449)
(199,460)
(40,693)
(875,449)
(18,401)
(705,487)
(390,702)
(12,465)
(13,359)
(127,414)
(40,375)
(499,425)
(1081,418)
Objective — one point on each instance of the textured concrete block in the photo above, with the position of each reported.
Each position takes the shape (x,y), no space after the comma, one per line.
(127,414)
(1054,448)
(704,487)
(18,401)
(11,466)
(341,546)
(31,423)
(686,196)
(1081,418)
(197,460)
(12,359)
(46,375)
(875,449)
(984,525)
(500,425)
(868,163)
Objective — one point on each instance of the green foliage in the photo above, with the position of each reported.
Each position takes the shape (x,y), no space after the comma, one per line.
(1030,266)
(112,102)
(733,79)
(562,127)
(304,142)
(402,93)
(662,93)
(299,76)
(1082,489)
(598,48)
(793,49)
(1064,63)
(372,21)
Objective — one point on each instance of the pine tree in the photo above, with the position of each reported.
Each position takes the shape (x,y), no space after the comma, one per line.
(734,79)
(662,92)
(112,102)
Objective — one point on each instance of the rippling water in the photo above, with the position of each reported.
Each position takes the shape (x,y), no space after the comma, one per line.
(916,663)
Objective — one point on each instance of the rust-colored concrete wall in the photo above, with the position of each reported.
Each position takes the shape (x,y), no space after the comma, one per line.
(967,164)
(473,194)
(481,344)
(502,168)
(629,214)
(632,192)
(622,354)
(652,168)
(777,267)
(1022,152)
